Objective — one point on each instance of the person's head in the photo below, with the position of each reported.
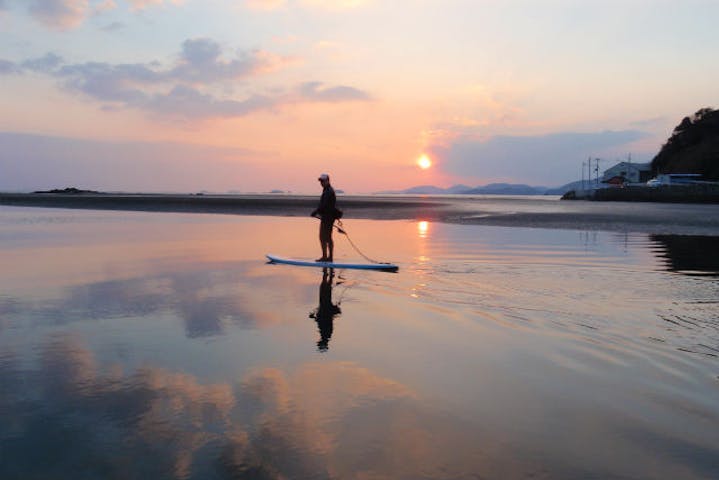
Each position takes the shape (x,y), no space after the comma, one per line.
(324,179)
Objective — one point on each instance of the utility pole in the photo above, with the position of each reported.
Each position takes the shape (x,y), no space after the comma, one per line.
(596,171)
(583,163)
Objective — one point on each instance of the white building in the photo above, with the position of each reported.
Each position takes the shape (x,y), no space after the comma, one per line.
(628,172)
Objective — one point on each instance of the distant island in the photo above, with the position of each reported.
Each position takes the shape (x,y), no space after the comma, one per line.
(68,191)
(490,189)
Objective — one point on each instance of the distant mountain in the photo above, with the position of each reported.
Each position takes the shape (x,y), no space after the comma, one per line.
(506,189)
(459,188)
(423,190)
(565,188)
(491,189)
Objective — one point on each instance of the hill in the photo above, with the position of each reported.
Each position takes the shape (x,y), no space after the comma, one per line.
(693,147)
(491,189)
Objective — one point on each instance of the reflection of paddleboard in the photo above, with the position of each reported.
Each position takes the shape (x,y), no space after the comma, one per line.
(309,263)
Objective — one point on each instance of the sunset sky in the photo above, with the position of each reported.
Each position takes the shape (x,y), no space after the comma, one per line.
(254,95)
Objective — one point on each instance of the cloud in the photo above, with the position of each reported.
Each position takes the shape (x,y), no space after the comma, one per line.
(186,88)
(316,92)
(60,14)
(333,4)
(200,61)
(143,4)
(47,63)
(552,159)
(188,102)
(113,27)
(265,4)
(174,91)
(69,14)
(105,6)
(8,68)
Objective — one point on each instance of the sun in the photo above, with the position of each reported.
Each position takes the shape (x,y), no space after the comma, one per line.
(424,162)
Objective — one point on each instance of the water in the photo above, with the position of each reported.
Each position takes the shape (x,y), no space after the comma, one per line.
(159,345)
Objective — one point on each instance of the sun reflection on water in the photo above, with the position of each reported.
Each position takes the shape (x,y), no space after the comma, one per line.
(423,228)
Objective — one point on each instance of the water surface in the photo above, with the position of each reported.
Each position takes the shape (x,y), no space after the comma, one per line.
(161,345)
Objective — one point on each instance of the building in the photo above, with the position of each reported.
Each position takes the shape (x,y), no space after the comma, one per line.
(627,172)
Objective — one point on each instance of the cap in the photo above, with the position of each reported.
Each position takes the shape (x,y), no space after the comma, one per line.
(324,176)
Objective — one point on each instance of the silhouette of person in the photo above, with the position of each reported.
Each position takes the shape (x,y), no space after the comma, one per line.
(326,211)
(326,311)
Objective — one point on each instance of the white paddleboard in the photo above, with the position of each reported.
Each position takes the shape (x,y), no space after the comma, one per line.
(309,263)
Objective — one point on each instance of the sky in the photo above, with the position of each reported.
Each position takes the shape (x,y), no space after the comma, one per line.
(259,95)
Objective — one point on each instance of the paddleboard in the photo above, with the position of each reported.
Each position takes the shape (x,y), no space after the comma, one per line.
(388,267)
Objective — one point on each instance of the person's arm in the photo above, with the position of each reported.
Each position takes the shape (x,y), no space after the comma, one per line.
(320,208)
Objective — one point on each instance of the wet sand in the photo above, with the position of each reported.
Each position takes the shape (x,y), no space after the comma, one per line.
(538,212)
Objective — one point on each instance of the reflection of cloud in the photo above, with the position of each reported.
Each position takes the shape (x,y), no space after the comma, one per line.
(348,422)
(331,420)
(188,294)
(207,302)
(75,415)
(69,415)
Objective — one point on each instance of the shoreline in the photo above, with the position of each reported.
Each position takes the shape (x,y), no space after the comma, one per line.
(530,212)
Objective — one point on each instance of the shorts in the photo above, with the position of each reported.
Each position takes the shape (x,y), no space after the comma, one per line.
(326,230)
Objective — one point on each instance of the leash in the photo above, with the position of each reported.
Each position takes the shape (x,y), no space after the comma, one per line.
(341,229)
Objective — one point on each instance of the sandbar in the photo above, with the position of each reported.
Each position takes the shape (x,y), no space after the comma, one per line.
(534,212)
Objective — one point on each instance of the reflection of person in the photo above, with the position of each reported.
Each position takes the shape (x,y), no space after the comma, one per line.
(326,212)
(326,311)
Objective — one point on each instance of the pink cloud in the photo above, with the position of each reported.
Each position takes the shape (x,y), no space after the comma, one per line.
(143,4)
(60,14)
(265,4)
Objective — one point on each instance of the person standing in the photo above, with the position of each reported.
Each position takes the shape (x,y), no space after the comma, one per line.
(326,211)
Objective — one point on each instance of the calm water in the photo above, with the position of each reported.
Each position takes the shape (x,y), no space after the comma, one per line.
(140,345)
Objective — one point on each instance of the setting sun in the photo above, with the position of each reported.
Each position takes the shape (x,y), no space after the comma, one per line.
(424,162)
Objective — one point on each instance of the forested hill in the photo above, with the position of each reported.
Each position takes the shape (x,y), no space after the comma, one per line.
(693,147)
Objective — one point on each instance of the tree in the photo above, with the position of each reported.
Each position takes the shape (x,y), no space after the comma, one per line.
(693,146)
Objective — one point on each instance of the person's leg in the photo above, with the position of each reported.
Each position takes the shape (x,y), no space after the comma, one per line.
(330,246)
(324,241)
